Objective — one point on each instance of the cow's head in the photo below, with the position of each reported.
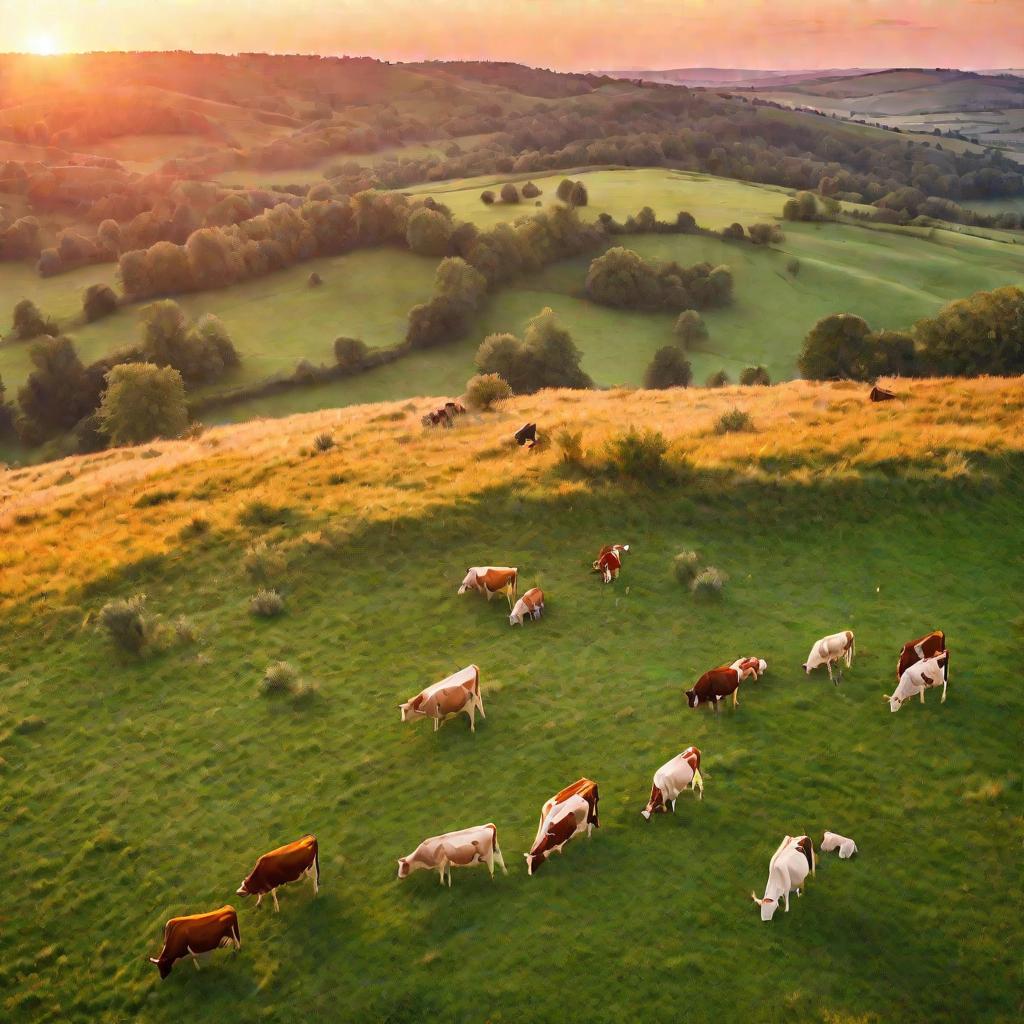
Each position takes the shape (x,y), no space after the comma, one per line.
(245,889)
(807,666)
(405,710)
(895,703)
(516,617)
(534,859)
(762,666)
(656,803)
(404,870)
(692,699)
(768,906)
(163,964)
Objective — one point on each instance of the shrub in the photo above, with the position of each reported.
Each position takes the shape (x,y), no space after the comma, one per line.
(349,353)
(98,301)
(185,630)
(709,582)
(487,197)
(29,322)
(690,328)
(195,527)
(720,379)
(638,456)
(793,267)
(428,232)
(571,445)
(564,189)
(578,195)
(754,375)
(262,563)
(530,191)
(280,677)
(668,369)
(153,498)
(266,603)
(142,402)
(684,566)
(323,442)
(261,513)
(734,232)
(126,623)
(314,280)
(485,390)
(509,193)
(733,422)
(765,234)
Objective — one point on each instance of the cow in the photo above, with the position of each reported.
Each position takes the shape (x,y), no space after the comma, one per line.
(830,649)
(526,435)
(878,394)
(787,870)
(928,646)
(290,863)
(458,692)
(469,846)
(918,678)
(715,685)
(750,667)
(530,605)
(833,841)
(491,580)
(609,561)
(671,779)
(195,934)
(568,813)
(443,416)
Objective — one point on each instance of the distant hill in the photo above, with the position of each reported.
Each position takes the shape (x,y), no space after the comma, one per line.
(712,77)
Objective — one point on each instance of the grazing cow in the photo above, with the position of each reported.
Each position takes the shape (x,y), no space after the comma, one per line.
(531,605)
(750,667)
(458,692)
(929,646)
(300,859)
(830,649)
(568,813)
(609,561)
(671,779)
(198,933)
(833,841)
(469,846)
(715,685)
(881,395)
(788,868)
(491,580)
(444,416)
(918,678)
(526,434)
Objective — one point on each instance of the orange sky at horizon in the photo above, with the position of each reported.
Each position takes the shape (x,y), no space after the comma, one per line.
(562,34)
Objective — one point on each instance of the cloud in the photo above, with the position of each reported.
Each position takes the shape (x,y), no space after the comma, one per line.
(901,23)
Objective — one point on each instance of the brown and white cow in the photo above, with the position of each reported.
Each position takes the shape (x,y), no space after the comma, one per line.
(568,813)
(834,841)
(788,869)
(463,849)
(458,692)
(715,685)
(300,859)
(917,678)
(671,779)
(750,668)
(830,649)
(491,580)
(609,561)
(195,934)
(928,646)
(530,605)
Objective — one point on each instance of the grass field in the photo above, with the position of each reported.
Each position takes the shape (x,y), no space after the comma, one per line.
(154,784)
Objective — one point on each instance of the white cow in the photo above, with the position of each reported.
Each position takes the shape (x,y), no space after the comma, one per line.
(671,779)
(918,678)
(747,667)
(787,870)
(469,846)
(833,841)
(830,649)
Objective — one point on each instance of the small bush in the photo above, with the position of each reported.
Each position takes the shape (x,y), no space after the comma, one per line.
(314,280)
(733,422)
(303,691)
(185,630)
(155,498)
(266,603)
(280,677)
(31,724)
(509,193)
(260,513)
(126,623)
(684,566)
(486,390)
(195,527)
(709,582)
(717,380)
(350,353)
(639,456)
(793,267)
(570,444)
(98,301)
(487,198)
(263,564)
(323,442)
(751,376)
(530,191)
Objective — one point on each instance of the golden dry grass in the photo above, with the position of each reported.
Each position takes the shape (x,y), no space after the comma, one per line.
(69,522)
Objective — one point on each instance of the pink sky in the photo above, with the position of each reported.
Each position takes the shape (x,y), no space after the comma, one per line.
(563,34)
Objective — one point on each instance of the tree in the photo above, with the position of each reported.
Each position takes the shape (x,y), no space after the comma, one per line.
(49,263)
(734,232)
(485,390)
(509,193)
(487,197)
(349,353)
(143,401)
(754,375)
(29,322)
(564,189)
(719,379)
(108,234)
(201,352)
(436,322)
(428,232)
(578,195)
(668,369)
(530,191)
(460,282)
(622,278)
(836,347)
(56,395)
(764,234)
(98,301)
(690,329)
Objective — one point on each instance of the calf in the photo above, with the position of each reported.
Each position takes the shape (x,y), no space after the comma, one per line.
(919,677)
(748,668)
(198,933)
(458,692)
(300,859)
(490,580)
(531,605)
(609,561)
(671,779)
(833,841)
(929,646)
(830,649)
(715,685)
(469,846)
(526,435)
(568,813)
(787,870)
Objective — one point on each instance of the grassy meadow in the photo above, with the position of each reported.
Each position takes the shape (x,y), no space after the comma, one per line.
(154,783)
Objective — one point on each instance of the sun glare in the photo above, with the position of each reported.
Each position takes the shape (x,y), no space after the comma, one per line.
(42,44)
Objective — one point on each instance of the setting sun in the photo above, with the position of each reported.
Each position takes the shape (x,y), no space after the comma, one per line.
(42,44)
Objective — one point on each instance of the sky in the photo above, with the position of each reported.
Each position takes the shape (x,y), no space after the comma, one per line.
(560,34)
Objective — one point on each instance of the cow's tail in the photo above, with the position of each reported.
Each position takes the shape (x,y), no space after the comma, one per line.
(316,861)
(852,650)
(945,667)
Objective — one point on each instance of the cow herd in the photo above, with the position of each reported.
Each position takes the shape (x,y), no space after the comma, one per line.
(922,664)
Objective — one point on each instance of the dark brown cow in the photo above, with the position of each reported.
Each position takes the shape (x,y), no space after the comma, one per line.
(281,866)
(569,812)
(609,561)
(881,395)
(715,685)
(195,934)
(928,646)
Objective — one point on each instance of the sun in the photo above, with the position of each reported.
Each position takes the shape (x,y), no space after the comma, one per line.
(42,44)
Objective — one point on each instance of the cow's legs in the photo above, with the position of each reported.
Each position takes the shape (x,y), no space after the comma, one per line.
(479,701)
(828,665)
(277,906)
(921,694)
(501,860)
(787,901)
(195,959)
(471,712)
(259,899)
(736,697)
(943,701)
(449,874)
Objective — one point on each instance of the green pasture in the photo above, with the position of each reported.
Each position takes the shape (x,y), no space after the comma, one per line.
(154,784)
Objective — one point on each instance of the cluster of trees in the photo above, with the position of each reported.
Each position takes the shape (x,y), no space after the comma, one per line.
(806,206)
(624,279)
(545,357)
(29,321)
(572,192)
(19,239)
(982,334)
